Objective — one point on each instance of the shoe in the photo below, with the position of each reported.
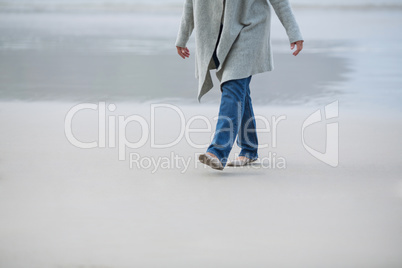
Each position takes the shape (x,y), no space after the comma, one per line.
(241,162)
(211,161)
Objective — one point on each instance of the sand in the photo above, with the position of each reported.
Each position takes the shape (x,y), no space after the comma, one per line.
(64,206)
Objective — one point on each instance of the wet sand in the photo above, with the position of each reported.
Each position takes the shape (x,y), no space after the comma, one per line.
(70,76)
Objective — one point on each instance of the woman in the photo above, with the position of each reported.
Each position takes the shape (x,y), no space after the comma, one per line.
(233,37)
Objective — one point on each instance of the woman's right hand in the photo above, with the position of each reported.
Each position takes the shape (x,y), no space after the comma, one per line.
(183,52)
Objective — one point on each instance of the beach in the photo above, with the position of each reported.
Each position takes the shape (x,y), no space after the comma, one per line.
(99,157)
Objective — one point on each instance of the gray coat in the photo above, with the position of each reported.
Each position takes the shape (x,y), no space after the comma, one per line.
(244,48)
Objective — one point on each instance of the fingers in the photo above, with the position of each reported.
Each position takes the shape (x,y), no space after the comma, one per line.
(299,45)
(180,52)
(183,52)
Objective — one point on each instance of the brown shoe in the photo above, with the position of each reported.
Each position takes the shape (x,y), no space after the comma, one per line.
(211,161)
(239,162)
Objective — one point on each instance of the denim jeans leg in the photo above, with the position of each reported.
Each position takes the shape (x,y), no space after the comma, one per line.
(247,138)
(230,116)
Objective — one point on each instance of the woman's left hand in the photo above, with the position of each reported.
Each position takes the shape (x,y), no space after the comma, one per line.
(299,45)
(183,52)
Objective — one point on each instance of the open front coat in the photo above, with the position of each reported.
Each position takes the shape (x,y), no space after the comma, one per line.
(244,46)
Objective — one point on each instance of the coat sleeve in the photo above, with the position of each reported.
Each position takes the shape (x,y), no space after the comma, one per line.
(285,14)
(186,25)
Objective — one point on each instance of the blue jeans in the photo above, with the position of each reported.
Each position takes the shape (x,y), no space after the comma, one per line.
(236,118)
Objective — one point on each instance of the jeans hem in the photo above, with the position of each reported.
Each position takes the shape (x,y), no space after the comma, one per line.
(250,155)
